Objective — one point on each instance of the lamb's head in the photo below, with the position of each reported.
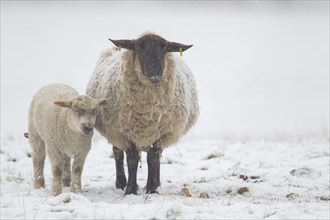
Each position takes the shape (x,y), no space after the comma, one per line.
(82,112)
(151,50)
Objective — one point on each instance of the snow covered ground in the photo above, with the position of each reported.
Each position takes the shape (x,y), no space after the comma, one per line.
(260,148)
(243,179)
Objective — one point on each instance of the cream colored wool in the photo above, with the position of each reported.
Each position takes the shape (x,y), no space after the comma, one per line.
(55,130)
(140,111)
(49,122)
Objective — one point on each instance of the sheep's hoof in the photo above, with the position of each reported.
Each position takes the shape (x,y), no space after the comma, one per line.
(151,190)
(152,186)
(121,183)
(131,190)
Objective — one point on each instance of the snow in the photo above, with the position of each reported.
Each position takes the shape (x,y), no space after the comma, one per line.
(262,73)
(284,179)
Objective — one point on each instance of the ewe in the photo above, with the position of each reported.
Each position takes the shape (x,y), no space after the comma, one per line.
(61,122)
(153,102)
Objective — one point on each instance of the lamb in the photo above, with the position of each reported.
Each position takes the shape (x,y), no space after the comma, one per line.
(61,122)
(153,102)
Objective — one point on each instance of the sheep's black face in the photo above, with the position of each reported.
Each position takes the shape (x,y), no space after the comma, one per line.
(151,50)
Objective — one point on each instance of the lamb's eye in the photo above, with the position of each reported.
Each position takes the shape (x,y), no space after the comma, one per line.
(82,111)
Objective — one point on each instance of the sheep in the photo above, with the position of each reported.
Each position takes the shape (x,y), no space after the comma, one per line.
(153,102)
(61,122)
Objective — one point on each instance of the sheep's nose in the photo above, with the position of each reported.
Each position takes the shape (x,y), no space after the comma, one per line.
(155,79)
(87,128)
(155,76)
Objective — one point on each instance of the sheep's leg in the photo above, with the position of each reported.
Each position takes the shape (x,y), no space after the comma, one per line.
(153,160)
(77,168)
(67,170)
(132,164)
(56,161)
(120,173)
(38,158)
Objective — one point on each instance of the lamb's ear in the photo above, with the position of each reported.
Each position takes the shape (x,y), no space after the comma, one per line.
(65,104)
(104,103)
(126,44)
(175,47)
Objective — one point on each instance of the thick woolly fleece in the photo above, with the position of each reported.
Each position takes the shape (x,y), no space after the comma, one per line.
(140,111)
(49,123)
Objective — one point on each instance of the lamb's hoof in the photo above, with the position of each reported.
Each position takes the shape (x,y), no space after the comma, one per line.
(40,183)
(56,192)
(131,190)
(76,188)
(121,184)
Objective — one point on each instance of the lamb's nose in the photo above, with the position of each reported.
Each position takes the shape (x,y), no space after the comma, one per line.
(87,129)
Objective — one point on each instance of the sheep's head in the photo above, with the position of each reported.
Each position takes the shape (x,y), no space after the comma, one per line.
(151,50)
(83,111)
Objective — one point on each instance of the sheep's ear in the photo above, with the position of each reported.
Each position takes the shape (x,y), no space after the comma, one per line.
(175,47)
(126,44)
(65,104)
(103,103)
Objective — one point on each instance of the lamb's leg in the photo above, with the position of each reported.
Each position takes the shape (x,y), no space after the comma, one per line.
(67,170)
(38,158)
(77,168)
(153,160)
(132,164)
(56,162)
(120,173)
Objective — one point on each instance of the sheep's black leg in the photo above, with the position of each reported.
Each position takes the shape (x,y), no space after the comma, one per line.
(153,159)
(132,164)
(120,173)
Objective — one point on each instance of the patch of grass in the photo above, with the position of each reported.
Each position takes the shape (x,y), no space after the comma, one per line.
(11,159)
(15,178)
(66,200)
(173,213)
(325,198)
(201,180)
(147,198)
(214,155)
